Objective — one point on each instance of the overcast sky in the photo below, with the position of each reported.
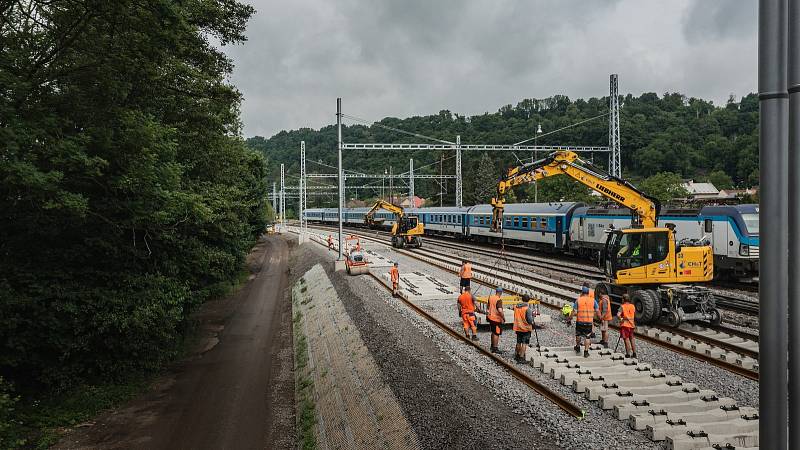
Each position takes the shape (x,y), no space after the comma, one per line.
(402,58)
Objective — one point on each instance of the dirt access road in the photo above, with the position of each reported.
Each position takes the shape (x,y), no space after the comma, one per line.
(239,394)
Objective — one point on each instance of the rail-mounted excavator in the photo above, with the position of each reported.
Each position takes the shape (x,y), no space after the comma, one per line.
(644,261)
(407,230)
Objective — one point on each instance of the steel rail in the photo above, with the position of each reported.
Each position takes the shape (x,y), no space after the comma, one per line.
(739,370)
(568,407)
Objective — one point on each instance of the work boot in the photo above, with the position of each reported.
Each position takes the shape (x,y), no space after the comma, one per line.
(586,353)
(603,343)
(475,337)
(627,355)
(577,349)
(497,350)
(633,355)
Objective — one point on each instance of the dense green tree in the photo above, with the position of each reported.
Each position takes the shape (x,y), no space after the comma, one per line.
(127,197)
(560,189)
(687,136)
(486,177)
(720,180)
(664,186)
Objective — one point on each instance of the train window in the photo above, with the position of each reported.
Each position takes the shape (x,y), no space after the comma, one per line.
(657,247)
(708,226)
(516,222)
(544,223)
(525,222)
(459,219)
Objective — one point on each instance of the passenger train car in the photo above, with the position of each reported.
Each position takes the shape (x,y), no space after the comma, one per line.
(575,228)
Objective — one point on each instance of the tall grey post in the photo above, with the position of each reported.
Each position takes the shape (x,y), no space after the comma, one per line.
(615,167)
(341,173)
(283,199)
(411,182)
(274,198)
(773,273)
(459,194)
(302,200)
(793,88)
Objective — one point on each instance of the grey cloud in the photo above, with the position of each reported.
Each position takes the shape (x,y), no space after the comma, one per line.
(720,19)
(416,57)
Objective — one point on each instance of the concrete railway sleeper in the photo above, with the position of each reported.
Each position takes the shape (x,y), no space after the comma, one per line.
(671,303)
(568,407)
(717,348)
(663,407)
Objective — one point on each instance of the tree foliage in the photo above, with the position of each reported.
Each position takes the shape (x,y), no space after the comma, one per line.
(664,186)
(127,197)
(690,137)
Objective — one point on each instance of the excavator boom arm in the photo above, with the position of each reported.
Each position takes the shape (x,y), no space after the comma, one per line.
(382,204)
(568,163)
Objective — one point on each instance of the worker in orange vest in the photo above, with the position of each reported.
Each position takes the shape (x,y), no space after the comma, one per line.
(605,318)
(466,310)
(523,325)
(358,246)
(465,274)
(496,318)
(585,310)
(394,273)
(330,243)
(627,317)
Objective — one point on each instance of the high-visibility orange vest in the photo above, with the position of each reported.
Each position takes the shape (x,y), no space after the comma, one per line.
(330,240)
(395,274)
(520,321)
(467,305)
(494,313)
(628,315)
(585,309)
(605,308)
(466,271)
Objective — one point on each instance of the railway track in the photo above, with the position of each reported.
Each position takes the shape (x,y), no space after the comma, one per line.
(715,345)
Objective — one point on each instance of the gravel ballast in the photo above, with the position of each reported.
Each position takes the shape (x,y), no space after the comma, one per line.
(599,429)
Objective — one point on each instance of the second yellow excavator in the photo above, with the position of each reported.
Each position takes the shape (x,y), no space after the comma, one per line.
(407,230)
(644,261)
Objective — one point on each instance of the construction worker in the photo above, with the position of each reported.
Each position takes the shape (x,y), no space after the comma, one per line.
(566,313)
(358,245)
(523,325)
(584,310)
(394,274)
(330,243)
(627,317)
(496,318)
(465,274)
(466,310)
(605,318)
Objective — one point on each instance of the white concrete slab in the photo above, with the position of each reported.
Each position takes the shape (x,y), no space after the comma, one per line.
(420,286)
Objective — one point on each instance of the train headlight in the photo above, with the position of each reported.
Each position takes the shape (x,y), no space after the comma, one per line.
(744,249)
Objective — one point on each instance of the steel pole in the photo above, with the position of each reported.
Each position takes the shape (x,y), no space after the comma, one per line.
(411,183)
(793,87)
(341,172)
(773,273)
(459,180)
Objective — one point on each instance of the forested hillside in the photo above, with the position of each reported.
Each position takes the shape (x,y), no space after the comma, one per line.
(126,196)
(686,137)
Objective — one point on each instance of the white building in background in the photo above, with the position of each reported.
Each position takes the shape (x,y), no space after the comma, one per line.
(701,191)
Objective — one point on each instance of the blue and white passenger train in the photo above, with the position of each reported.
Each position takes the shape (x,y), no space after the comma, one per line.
(578,229)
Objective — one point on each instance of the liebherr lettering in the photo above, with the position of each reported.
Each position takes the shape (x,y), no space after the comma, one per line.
(608,191)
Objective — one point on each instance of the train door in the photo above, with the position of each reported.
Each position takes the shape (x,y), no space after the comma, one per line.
(581,224)
(559,232)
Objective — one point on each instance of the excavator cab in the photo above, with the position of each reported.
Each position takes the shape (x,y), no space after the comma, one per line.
(651,255)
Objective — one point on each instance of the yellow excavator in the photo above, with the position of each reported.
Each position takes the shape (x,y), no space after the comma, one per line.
(644,261)
(407,230)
